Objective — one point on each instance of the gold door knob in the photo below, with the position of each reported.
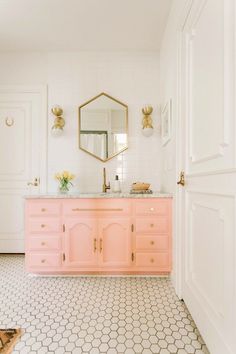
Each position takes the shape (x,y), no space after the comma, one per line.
(43,243)
(152,260)
(151,225)
(43,260)
(42,225)
(152,242)
(43,209)
(35,183)
(182,179)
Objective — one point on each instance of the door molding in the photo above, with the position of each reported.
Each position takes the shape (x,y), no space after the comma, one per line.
(42,90)
(178,213)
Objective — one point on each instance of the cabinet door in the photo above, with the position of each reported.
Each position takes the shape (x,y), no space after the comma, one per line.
(80,242)
(115,242)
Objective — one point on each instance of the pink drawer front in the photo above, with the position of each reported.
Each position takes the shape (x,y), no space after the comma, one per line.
(154,243)
(152,259)
(43,208)
(159,224)
(44,260)
(39,243)
(92,207)
(44,225)
(152,207)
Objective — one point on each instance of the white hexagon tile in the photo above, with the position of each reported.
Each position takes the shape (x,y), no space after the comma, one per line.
(94,314)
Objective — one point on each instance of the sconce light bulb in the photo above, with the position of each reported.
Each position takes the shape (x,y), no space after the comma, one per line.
(147,132)
(56,131)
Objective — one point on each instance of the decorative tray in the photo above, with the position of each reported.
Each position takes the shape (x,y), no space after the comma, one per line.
(146,191)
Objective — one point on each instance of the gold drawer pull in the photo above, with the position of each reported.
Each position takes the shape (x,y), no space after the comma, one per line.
(152,242)
(100,245)
(95,245)
(151,225)
(42,225)
(43,260)
(43,243)
(105,209)
(152,260)
(151,209)
(43,209)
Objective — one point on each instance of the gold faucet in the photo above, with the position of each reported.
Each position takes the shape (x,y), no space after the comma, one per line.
(105,187)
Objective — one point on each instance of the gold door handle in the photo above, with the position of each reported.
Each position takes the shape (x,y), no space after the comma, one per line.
(152,260)
(35,183)
(43,260)
(182,179)
(95,245)
(100,245)
(152,242)
(42,225)
(151,225)
(43,243)
(43,209)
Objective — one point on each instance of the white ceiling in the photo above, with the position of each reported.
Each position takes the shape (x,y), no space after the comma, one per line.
(68,25)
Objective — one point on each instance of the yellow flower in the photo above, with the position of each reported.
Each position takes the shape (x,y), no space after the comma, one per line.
(66,174)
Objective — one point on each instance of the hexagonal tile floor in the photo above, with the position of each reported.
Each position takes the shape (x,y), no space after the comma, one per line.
(94,314)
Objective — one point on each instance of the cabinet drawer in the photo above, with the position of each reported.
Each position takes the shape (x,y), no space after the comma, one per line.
(39,243)
(152,242)
(152,259)
(44,225)
(152,207)
(92,207)
(43,208)
(159,224)
(44,260)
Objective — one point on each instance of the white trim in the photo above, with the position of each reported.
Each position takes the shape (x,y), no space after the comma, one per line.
(166,121)
(178,214)
(210,173)
(44,142)
(180,164)
(217,194)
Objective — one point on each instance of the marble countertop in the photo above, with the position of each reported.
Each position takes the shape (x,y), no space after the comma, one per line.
(97,195)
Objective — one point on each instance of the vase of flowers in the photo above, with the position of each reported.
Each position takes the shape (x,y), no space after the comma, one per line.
(64,179)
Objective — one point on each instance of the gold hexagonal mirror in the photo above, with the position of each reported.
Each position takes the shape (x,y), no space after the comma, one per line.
(103,127)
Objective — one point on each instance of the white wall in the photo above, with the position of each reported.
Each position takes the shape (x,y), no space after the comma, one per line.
(75,77)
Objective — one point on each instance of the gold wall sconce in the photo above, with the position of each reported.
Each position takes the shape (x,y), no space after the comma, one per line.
(147,121)
(59,121)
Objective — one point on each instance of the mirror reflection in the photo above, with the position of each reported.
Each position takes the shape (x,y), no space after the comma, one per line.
(103,123)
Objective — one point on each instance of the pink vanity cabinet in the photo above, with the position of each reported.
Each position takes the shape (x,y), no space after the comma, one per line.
(98,235)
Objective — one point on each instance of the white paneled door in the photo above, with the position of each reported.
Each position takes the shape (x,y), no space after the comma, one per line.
(22,127)
(208,199)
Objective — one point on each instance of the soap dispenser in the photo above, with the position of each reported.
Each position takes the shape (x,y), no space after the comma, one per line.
(116,186)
